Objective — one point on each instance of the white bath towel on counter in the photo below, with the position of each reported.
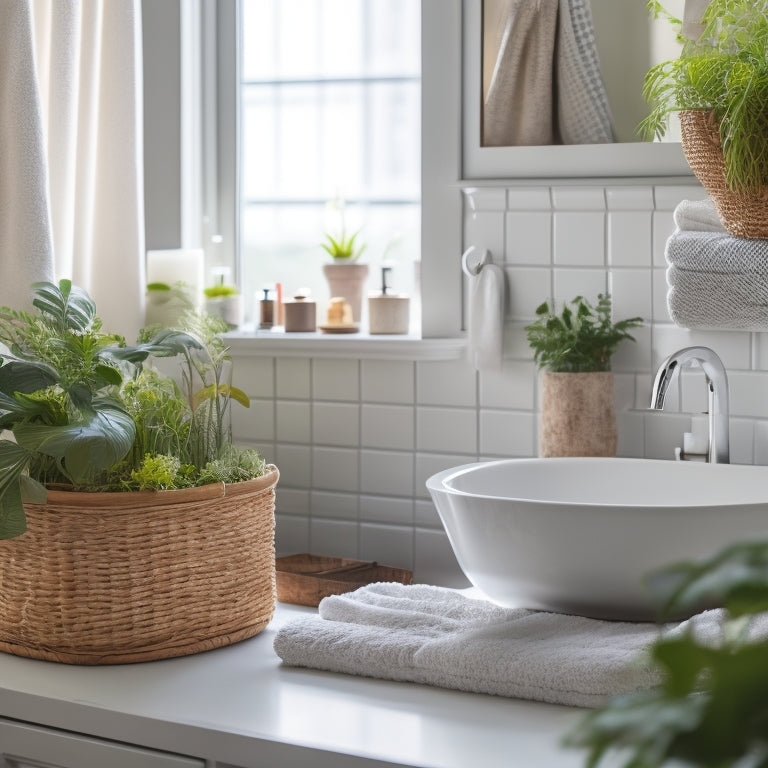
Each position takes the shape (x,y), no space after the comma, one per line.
(717,281)
(440,637)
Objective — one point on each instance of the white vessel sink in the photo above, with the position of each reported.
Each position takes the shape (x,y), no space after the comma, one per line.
(577,535)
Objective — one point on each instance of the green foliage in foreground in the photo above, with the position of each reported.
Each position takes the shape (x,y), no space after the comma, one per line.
(712,707)
(724,72)
(582,338)
(89,413)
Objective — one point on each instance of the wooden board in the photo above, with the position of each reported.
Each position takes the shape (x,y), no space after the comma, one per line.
(306,579)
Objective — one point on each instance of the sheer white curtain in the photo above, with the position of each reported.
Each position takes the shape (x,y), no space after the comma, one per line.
(71,173)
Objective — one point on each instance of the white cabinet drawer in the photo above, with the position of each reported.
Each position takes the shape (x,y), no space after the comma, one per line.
(30,746)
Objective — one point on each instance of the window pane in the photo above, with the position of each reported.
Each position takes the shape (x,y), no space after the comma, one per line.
(330,110)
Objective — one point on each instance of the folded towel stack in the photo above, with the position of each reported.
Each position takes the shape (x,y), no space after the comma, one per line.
(715,280)
(441,637)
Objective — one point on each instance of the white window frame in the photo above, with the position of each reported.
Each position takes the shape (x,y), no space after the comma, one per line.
(441,206)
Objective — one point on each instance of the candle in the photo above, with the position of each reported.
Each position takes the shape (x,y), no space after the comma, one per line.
(178,265)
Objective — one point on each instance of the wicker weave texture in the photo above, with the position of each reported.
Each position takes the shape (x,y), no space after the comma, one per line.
(743,214)
(111,578)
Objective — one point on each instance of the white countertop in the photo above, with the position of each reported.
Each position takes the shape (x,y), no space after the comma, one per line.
(240,705)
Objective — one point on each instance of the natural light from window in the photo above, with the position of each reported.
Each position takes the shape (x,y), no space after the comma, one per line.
(330,111)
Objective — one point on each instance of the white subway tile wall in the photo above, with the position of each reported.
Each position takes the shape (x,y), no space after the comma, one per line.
(355,440)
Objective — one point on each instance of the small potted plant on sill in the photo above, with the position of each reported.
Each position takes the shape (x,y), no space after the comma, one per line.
(719,87)
(578,413)
(167,303)
(131,528)
(346,277)
(224,301)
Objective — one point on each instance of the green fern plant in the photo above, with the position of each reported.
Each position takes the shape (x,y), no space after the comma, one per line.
(87,412)
(724,72)
(581,339)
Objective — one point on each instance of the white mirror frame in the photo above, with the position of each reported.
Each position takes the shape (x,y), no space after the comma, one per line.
(553,161)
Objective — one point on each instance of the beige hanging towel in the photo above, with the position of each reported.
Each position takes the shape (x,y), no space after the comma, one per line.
(518,59)
(583,112)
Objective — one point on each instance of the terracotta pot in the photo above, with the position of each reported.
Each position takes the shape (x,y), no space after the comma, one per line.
(578,414)
(348,281)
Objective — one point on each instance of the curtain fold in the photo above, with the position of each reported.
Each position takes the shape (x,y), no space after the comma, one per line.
(26,239)
(86,76)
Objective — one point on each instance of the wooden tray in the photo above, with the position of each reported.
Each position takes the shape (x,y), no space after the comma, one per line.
(306,579)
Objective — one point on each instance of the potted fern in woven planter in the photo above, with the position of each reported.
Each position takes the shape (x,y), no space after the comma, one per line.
(719,87)
(131,528)
(574,349)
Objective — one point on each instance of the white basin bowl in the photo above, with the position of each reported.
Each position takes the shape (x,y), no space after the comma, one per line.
(578,535)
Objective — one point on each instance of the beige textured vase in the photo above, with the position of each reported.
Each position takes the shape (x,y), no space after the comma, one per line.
(578,414)
(348,281)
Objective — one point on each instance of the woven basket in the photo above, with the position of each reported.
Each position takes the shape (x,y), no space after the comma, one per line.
(743,214)
(112,578)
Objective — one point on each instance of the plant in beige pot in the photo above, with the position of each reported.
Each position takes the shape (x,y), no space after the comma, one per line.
(346,278)
(131,528)
(719,87)
(578,413)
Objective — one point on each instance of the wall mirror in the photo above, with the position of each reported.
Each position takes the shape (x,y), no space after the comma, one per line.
(628,41)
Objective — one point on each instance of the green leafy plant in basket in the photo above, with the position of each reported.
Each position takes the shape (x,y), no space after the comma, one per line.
(87,412)
(711,709)
(724,73)
(581,339)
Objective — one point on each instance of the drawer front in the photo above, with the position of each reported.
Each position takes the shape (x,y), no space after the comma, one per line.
(30,746)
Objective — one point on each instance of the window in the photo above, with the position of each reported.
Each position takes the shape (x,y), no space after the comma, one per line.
(329,105)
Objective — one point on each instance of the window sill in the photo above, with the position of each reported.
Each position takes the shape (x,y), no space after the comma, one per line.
(277,343)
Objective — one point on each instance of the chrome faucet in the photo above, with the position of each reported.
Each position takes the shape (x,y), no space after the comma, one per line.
(718,451)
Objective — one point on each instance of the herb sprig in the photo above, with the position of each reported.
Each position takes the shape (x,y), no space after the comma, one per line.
(581,339)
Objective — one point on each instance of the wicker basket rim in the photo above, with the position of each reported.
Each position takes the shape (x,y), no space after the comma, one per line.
(118,499)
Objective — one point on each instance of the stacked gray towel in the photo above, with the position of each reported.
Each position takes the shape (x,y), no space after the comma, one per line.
(441,637)
(715,280)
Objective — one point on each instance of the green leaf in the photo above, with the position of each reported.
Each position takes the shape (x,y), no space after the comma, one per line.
(736,578)
(106,375)
(13,460)
(166,343)
(70,307)
(13,521)
(26,375)
(223,390)
(32,492)
(239,396)
(85,449)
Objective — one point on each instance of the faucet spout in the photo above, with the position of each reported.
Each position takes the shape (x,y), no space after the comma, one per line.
(717,389)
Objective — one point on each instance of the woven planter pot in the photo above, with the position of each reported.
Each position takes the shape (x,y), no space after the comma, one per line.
(743,214)
(578,414)
(111,578)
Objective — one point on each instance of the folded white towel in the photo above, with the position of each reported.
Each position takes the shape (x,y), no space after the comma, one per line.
(441,637)
(698,216)
(717,281)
